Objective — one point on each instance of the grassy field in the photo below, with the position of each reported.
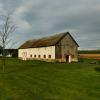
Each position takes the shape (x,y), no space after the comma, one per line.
(36,80)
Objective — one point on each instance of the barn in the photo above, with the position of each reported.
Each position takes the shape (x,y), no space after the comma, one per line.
(60,47)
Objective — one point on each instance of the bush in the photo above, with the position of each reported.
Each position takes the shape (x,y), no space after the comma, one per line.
(99,62)
(81,60)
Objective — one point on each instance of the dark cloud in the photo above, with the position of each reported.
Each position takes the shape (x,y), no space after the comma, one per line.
(37,18)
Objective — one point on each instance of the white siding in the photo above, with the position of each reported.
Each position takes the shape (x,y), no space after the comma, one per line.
(38,51)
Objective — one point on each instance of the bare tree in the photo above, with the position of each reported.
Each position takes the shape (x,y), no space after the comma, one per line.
(6,29)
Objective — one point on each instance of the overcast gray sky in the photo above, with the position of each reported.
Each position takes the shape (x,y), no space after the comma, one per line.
(39,18)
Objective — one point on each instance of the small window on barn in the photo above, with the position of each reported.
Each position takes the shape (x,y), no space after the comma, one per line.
(49,56)
(39,56)
(44,56)
(72,55)
(34,56)
(31,56)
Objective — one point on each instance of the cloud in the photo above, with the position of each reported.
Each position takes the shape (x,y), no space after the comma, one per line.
(37,18)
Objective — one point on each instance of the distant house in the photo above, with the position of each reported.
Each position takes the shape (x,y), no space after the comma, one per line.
(60,47)
(10,52)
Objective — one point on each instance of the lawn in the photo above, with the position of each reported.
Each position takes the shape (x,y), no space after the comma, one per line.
(36,80)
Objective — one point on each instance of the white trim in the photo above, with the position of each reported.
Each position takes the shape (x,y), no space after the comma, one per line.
(69,58)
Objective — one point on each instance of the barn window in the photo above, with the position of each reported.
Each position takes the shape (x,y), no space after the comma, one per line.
(39,56)
(44,56)
(49,56)
(31,56)
(34,56)
(73,56)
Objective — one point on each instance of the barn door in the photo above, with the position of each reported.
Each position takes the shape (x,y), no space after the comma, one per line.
(24,55)
(68,58)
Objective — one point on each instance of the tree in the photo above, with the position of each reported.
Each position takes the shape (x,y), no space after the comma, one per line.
(0,50)
(6,29)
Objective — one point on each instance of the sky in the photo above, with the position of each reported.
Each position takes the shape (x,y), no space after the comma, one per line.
(40,18)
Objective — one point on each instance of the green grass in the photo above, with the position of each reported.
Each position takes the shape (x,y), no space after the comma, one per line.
(36,80)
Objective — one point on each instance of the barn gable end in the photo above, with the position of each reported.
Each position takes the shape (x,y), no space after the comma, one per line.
(67,46)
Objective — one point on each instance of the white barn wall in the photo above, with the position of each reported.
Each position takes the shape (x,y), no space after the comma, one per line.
(20,51)
(38,51)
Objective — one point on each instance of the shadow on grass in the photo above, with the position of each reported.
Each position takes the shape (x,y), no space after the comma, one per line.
(97,69)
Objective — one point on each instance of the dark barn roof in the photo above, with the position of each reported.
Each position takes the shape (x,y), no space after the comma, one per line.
(44,42)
